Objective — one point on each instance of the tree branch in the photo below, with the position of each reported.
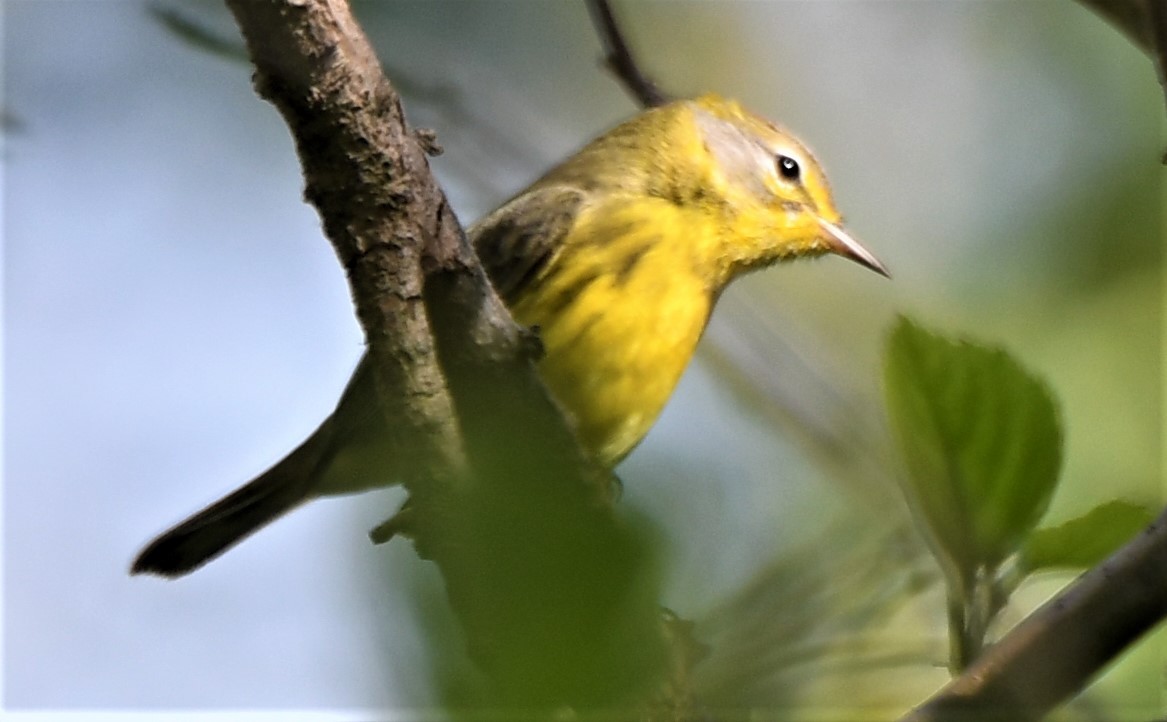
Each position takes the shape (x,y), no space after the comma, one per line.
(556,596)
(380,206)
(1144,22)
(1054,652)
(1132,17)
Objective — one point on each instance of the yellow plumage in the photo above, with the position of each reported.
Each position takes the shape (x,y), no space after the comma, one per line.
(617,256)
(616,342)
(663,220)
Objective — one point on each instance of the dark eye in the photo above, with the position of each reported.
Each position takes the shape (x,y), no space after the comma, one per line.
(788,168)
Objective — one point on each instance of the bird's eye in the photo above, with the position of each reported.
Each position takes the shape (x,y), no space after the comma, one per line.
(788,168)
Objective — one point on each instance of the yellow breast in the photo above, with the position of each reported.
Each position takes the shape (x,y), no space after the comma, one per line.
(620,309)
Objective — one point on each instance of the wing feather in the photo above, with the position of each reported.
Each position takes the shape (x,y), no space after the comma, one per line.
(518,241)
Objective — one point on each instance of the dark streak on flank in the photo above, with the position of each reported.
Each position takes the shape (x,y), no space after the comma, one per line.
(682,196)
(564,297)
(583,328)
(629,261)
(699,195)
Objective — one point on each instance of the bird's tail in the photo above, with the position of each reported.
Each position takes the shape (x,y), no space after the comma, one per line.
(221,525)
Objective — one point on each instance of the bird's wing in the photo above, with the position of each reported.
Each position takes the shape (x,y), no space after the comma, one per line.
(518,240)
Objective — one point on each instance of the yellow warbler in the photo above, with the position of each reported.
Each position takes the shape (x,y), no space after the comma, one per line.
(617,255)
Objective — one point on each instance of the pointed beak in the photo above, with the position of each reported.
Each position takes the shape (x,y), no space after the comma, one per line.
(841,243)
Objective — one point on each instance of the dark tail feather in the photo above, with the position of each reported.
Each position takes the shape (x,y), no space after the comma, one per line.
(225,523)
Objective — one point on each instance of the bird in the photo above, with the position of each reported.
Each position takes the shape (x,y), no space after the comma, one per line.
(617,257)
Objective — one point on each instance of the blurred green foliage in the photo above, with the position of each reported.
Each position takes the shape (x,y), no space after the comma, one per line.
(1087,540)
(982,443)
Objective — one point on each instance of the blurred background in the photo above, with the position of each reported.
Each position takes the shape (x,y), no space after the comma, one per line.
(174,323)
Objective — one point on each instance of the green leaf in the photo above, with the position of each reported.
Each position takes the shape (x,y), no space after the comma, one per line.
(981,441)
(1088,539)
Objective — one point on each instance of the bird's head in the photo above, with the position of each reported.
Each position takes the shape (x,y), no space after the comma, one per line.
(774,190)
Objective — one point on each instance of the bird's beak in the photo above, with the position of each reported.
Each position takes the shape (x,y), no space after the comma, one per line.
(841,243)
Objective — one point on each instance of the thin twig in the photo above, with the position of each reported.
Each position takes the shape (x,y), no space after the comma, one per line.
(1054,653)
(197,34)
(445,100)
(619,59)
